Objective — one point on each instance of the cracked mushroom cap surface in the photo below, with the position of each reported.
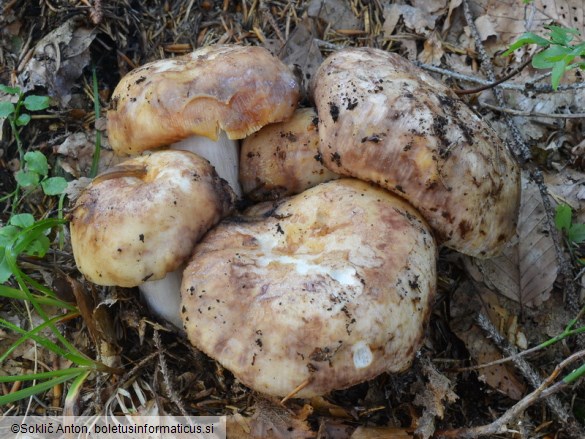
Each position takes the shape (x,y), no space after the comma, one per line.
(329,288)
(283,158)
(383,120)
(141,219)
(237,89)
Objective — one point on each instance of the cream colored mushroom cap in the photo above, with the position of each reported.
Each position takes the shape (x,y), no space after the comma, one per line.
(142,218)
(383,120)
(330,288)
(237,89)
(283,158)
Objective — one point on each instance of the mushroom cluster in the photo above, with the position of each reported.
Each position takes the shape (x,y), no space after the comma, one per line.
(330,282)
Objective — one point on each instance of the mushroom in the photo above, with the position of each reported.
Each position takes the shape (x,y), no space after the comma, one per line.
(201,102)
(141,219)
(329,288)
(333,286)
(383,120)
(283,158)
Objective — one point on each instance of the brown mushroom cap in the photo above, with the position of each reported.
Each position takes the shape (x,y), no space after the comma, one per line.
(330,288)
(283,158)
(383,120)
(237,89)
(141,218)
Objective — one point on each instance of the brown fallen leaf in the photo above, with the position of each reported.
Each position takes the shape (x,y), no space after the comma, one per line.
(302,53)
(465,307)
(433,396)
(336,13)
(271,421)
(526,271)
(432,50)
(381,433)
(59,59)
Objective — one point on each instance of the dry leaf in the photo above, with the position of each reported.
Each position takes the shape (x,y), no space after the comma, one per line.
(271,421)
(76,154)
(568,187)
(302,53)
(58,60)
(506,20)
(526,271)
(381,433)
(433,396)
(336,13)
(432,50)
(414,18)
(465,308)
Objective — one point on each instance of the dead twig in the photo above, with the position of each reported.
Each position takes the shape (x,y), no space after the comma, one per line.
(493,84)
(523,154)
(514,112)
(522,365)
(166,375)
(500,425)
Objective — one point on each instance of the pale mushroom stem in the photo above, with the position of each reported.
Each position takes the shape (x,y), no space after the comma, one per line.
(163,296)
(223,154)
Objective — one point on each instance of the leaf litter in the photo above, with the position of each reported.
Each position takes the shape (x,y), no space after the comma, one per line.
(55,57)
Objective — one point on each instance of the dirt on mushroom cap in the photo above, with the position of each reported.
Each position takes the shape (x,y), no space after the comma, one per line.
(383,120)
(333,286)
(283,158)
(142,218)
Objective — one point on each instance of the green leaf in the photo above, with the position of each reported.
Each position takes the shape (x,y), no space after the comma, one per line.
(5,272)
(563,215)
(561,35)
(7,235)
(577,233)
(22,220)
(37,162)
(6,108)
(9,90)
(547,58)
(526,38)
(38,247)
(54,185)
(557,73)
(36,103)
(26,179)
(22,120)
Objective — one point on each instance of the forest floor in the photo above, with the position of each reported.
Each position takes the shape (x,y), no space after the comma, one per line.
(75,52)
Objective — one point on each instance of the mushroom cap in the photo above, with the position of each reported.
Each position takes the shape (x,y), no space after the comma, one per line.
(283,158)
(237,89)
(383,120)
(330,287)
(142,218)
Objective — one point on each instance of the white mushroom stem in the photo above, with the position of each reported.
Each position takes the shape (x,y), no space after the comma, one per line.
(163,296)
(223,154)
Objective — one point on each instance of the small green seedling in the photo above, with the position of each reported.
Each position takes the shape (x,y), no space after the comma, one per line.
(14,112)
(12,232)
(563,221)
(36,171)
(558,53)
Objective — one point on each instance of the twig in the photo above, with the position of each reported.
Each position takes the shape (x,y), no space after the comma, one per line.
(166,375)
(529,86)
(499,426)
(533,114)
(524,155)
(527,370)
(493,84)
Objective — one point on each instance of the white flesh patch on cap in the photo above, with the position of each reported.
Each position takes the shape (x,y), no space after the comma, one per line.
(362,355)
